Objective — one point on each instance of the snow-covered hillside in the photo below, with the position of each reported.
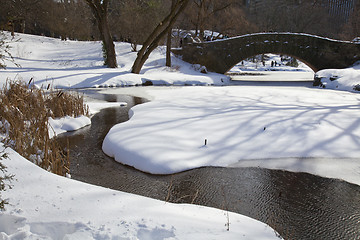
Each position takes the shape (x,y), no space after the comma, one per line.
(47,206)
(73,64)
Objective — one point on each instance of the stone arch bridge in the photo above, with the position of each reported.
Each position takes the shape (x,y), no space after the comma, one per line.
(316,52)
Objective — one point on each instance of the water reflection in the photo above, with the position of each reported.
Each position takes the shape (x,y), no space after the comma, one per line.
(297,205)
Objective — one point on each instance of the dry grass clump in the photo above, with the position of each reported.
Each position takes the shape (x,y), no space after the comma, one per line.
(65,104)
(24,113)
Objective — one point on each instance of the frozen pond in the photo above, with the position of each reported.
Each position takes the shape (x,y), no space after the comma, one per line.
(273,78)
(277,76)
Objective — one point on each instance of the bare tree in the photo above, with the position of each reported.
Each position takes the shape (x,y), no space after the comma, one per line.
(168,42)
(206,9)
(100,11)
(226,16)
(63,18)
(17,13)
(133,20)
(230,19)
(4,50)
(159,33)
(309,16)
(71,19)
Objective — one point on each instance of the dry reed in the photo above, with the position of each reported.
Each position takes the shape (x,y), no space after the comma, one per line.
(24,114)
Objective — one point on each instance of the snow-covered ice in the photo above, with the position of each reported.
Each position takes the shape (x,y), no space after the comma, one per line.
(96,105)
(66,124)
(239,123)
(269,66)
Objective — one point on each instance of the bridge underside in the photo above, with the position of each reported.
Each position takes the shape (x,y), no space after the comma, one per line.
(318,53)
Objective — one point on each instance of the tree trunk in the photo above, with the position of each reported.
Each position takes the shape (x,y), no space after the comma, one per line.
(200,21)
(159,32)
(108,44)
(168,43)
(168,48)
(99,9)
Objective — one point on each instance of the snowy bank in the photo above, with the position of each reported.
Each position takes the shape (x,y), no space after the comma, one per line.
(79,64)
(190,127)
(66,124)
(47,206)
(340,79)
(69,124)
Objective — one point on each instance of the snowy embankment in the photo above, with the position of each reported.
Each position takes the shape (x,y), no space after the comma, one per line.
(74,64)
(242,126)
(69,124)
(340,79)
(47,206)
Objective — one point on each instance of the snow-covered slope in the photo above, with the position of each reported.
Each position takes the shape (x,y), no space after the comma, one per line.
(74,64)
(47,206)
(340,79)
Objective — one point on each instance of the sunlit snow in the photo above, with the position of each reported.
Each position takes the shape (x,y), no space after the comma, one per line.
(302,128)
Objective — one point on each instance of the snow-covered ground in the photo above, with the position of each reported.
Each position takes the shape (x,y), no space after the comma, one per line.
(47,206)
(72,64)
(272,127)
(341,79)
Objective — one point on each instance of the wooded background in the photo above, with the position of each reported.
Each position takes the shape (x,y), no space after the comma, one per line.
(133,20)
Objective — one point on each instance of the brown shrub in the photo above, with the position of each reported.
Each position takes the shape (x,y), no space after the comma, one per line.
(24,113)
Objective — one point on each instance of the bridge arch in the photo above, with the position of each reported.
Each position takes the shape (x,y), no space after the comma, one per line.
(316,52)
(276,53)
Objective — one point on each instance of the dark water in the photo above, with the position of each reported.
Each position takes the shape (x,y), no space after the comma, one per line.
(297,205)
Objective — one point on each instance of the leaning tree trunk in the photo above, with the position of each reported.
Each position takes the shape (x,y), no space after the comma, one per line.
(159,32)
